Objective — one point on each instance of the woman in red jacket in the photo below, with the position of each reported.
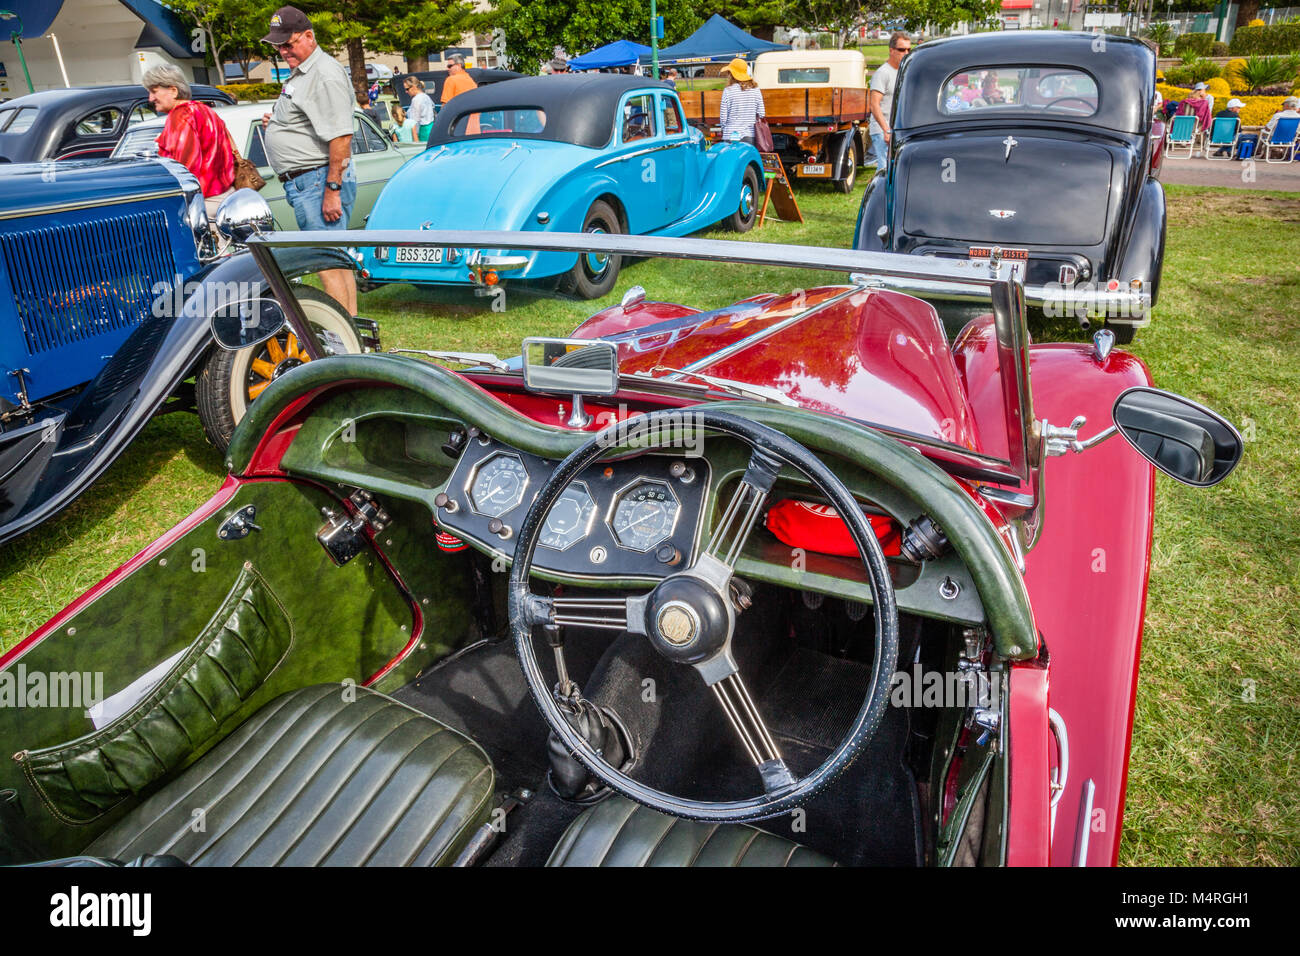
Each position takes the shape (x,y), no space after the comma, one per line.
(194,135)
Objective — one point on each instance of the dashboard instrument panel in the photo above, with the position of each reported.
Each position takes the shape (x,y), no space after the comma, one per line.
(635,517)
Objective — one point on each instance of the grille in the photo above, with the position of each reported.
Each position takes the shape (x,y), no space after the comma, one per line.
(75,282)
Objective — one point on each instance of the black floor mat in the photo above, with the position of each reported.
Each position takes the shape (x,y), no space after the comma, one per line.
(481,692)
(870,816)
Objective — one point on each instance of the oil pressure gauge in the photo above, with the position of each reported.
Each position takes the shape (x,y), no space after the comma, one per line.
(569,519)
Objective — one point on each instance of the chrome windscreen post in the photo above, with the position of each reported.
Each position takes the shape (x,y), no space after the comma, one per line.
(265,258)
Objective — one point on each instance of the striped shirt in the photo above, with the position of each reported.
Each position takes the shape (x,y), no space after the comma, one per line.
(740,108)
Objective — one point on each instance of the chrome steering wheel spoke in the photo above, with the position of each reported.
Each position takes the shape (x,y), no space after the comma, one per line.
(745,719)
(742,512)
(623,614)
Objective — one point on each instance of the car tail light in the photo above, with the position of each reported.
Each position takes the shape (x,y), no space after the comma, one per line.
(1112,285)
(1135,285)
(491,278)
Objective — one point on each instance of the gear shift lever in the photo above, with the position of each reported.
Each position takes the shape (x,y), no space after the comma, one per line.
(569,778)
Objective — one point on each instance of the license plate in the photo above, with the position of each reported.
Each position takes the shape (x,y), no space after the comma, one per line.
(418,254)
(986,252)
(807,170)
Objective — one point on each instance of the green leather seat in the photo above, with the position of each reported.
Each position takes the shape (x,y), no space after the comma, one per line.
(312,779)
(618,832)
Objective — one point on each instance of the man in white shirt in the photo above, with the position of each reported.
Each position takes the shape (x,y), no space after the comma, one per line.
(880,97)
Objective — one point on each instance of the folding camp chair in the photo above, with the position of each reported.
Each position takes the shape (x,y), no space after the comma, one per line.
(1224,133)
(1284,136)
(1184,132)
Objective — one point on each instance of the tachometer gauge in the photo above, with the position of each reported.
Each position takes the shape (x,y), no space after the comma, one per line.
(498,485)
(569,519)
(645,513)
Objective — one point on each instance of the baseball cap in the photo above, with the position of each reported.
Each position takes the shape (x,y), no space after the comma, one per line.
(285,22)
(1235,104)
(1200,86)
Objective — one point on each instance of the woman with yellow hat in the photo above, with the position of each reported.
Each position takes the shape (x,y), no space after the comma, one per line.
(742,103)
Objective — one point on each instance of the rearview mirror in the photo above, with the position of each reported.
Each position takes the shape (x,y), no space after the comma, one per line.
(571,366)
(237,325)
(1183,439)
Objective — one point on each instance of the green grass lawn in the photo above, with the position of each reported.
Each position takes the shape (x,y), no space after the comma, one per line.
(1214,773)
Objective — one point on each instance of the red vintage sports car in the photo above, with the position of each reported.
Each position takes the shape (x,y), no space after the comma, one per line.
(795,581)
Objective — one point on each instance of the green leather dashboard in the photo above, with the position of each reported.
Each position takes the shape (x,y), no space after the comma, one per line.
(388,441)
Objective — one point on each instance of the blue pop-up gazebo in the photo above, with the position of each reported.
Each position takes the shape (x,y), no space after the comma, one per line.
(618,53)
(719,39)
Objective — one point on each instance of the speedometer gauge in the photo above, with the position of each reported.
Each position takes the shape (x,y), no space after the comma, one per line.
(498,485)
(569,519)
(645,514)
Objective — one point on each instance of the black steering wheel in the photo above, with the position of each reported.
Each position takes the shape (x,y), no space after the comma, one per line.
(1087,104)
(690,617)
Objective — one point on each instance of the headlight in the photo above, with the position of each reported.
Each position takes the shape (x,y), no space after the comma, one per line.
(242,214)
(196,217)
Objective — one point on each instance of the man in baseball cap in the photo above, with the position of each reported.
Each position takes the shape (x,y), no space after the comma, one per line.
(1231,111)
(285,22)
(309,138)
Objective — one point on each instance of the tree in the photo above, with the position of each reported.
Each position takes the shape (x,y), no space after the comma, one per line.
(759,17)
(941,14)
(226,27)
(839,17)
(382,26)
(534,28)
(427,27)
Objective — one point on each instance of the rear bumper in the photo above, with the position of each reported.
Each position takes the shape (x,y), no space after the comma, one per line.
(1082,300)
(471,268)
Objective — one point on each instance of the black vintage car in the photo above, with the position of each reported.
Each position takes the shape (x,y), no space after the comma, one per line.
(83,122)
(1038,147)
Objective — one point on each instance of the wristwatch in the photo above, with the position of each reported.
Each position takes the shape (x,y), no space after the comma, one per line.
(329,184)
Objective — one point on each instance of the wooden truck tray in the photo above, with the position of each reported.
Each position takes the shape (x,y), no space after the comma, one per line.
(798,106)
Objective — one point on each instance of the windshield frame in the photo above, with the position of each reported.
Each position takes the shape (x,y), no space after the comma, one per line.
(1000,284)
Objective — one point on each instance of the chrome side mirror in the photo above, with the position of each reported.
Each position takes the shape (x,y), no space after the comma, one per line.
(1183,439)
(243,214)
(238,325)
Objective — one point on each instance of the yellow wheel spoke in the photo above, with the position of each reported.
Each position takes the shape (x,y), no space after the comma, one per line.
(274,350)
(291,345)
(263,368)
(256,390)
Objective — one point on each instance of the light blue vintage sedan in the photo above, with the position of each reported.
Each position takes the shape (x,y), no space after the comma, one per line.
(585,153)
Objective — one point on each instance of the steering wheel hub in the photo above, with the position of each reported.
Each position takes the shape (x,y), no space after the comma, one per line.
(687,621)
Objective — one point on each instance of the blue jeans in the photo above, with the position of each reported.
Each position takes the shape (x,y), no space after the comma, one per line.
(880,150)
(306,193)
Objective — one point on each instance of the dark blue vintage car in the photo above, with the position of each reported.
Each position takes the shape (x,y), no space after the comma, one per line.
(1041,148)
(113,280)
(81,122)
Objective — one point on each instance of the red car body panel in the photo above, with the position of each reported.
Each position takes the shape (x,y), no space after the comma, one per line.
(876,356)
(1087,580)
(1028,797)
